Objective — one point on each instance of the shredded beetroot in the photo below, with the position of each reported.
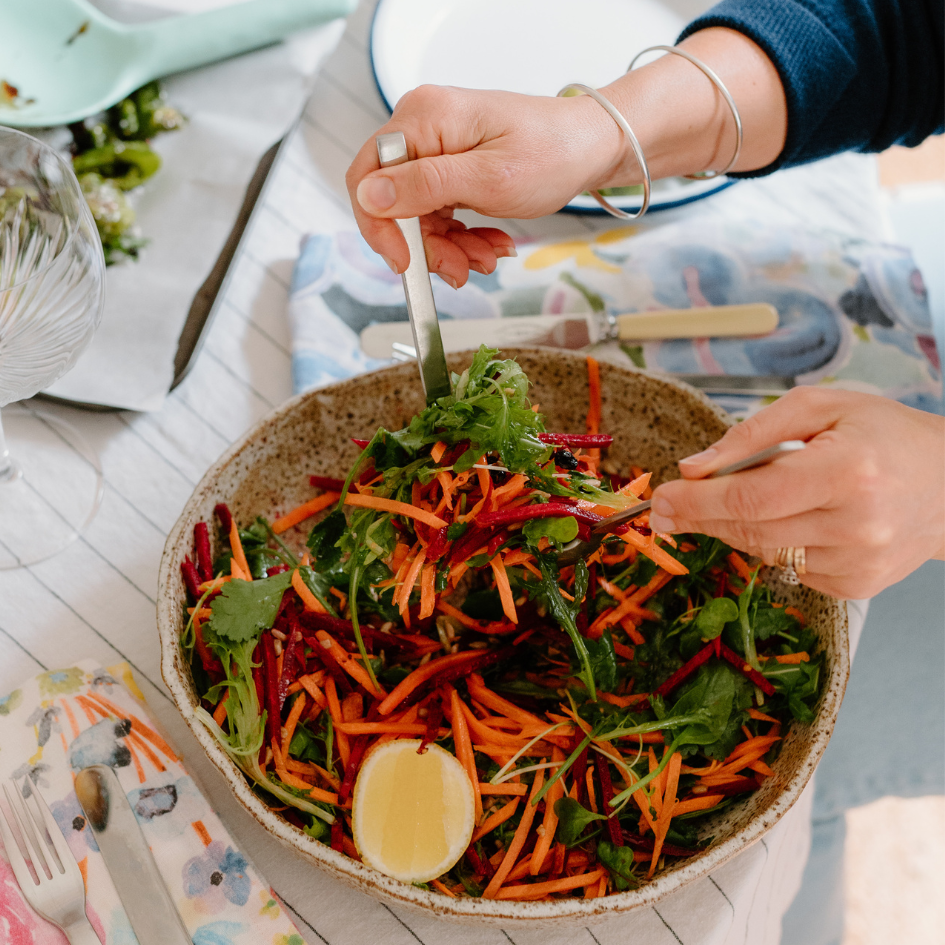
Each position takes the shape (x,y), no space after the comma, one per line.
(580,768)
(434,717)
(497,541)
(277,569)
(524,513)
(328,483)
(202,551)
(358,745)
(191,578)
(293,663)
(687,669)
(437,546)
(589,440)
(474,539)
(636,842)
(480,866)
(606,794)
(739,663)
(359,442)
(337,834)
(737,786)
(222,512)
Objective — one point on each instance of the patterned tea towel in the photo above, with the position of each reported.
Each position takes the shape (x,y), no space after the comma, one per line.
(62,721)
(853,314)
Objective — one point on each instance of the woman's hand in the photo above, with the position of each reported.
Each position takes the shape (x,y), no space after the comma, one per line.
(866,498)
(499,153)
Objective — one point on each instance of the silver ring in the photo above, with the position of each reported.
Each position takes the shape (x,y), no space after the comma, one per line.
(634,146)
(792,562)
(723,91)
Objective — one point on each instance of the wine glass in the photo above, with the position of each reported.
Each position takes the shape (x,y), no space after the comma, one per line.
(52,289)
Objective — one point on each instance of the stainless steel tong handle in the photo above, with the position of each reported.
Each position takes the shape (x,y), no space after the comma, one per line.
(434,374)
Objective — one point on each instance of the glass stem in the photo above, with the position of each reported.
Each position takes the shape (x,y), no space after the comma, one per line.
(8,469)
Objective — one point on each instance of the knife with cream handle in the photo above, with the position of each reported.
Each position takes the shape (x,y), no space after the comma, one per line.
(581,329)
(129,860)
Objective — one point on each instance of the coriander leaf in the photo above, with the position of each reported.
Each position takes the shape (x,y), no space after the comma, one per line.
(603,660)
(323,539)
(619,861)
(319,585)
(572,819)
(244,608)
(557,530)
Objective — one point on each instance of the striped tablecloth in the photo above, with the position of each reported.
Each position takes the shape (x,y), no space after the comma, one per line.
(97,599)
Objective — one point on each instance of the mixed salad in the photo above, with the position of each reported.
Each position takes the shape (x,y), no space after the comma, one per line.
(603,712)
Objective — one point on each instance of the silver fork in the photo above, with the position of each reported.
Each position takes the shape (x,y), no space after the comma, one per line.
(58,892)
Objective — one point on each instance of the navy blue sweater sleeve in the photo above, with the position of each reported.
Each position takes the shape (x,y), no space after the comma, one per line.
(858,74)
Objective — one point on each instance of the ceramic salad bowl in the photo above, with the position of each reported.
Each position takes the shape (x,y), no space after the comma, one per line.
(655,422)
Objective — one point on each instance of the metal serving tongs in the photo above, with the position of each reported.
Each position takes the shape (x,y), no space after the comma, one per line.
(434,374)
(578,549)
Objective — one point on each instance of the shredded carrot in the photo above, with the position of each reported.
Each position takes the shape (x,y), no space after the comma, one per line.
(402,595)
(540,890)
(311,602)
(495,819)
(439,448)
(740,566)
(518,839)
(703,802)
(306,510)
(666,814)
(309,684)
(761,716)
(396,508)
(464,749)
(630,603)
(442,888)
(236,546)
(347,662)
(381,728)
(657,555)
(334,710)
(550,821)
(291,722)
(427,591)
(318,794)
(504,588)
(219,713)
(420,675)
(506,788)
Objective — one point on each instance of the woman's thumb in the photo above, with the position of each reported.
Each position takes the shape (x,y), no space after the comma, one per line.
(416,187)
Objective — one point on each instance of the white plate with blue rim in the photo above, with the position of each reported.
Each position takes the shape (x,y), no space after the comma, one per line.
(535,47)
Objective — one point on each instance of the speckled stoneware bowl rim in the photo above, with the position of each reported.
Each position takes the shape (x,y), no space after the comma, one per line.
(563,912)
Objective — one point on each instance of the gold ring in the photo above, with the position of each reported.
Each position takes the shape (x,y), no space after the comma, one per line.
(792,562)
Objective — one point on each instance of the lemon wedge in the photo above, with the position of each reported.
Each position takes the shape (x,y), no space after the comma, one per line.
(412,815)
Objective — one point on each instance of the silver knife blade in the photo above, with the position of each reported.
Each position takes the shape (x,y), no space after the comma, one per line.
(129,860)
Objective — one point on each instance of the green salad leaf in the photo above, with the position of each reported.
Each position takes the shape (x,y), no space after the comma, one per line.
(243,609)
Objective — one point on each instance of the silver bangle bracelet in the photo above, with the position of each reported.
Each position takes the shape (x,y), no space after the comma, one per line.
(634,145)
(723,91)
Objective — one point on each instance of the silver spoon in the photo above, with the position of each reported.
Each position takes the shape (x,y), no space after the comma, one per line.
(434,374)
(578,549)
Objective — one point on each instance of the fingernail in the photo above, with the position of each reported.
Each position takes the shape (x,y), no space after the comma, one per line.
(697,459)
(391,265)
(661,515)
(503,251)
(376,194)
(478,267)
(449,280)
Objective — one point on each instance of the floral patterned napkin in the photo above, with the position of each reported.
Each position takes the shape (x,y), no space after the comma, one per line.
(853,314)
(62,721)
